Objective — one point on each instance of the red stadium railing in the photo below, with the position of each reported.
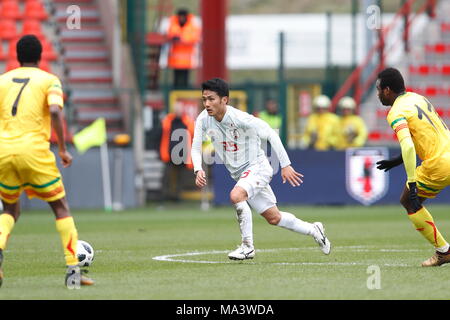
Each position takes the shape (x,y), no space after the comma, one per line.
(355,78)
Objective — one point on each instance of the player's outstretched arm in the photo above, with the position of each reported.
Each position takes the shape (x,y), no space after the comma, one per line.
(265,132)
(290,175)
(57,123)
(387,165)
(200,179)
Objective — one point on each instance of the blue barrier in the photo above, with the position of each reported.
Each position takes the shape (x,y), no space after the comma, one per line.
(83,180)
(324,181)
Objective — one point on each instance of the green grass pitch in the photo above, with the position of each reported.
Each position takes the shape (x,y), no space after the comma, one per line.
(192,248)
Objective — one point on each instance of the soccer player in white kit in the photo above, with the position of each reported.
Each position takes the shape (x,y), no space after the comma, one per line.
(236,136)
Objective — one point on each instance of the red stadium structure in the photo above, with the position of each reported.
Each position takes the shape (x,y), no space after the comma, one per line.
(214,39)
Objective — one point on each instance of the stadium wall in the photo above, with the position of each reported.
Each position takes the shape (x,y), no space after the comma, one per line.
(83,180)
(325,181)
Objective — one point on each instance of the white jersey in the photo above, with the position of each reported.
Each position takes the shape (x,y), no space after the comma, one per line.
(237,140)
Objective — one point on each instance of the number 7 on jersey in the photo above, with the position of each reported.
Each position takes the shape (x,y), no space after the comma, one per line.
(24,81)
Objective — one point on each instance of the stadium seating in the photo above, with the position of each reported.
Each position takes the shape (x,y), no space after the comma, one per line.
(12,54)
(10,9)
(429,76)
(48,52)
(430,70)
(86,53)
(86,34)
(32,26)
(71,1)
(93,97)
(93,74)
(45,65)
(8,29)
(431,90)
(12,64)
(34,9)
(445,70)
(2,54)
(86,57)
(378,135)
(437,48)
(445,26)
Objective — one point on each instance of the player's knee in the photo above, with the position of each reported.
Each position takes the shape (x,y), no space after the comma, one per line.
(404,201)
(408,207)
(237,196)
(272,217)
(273,220)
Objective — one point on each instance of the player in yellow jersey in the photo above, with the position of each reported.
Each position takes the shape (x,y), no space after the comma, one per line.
(31,102)
(421,132)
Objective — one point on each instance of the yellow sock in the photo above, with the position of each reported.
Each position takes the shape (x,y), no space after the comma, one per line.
(69,238)
(424,223)
(6,226)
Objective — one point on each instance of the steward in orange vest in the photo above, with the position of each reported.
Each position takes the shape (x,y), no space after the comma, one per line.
(169,124)
(184,34)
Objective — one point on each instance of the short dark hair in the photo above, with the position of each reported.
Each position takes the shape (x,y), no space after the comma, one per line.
(182,12)
(217,85)
(29,49)
(392,78)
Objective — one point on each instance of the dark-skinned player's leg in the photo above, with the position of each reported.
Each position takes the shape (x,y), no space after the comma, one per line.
(424,223)
(9,216)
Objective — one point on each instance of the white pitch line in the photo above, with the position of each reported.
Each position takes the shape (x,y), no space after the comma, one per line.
(174,257)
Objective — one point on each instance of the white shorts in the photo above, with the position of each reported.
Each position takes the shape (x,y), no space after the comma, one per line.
(255,180)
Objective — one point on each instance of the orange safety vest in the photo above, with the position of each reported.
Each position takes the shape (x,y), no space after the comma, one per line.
(164,149)
(181,53)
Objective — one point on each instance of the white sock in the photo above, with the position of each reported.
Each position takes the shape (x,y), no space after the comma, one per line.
(291,222)
(443,249)
(244,217)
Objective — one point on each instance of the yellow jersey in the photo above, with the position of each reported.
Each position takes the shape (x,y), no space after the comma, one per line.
(429,133)
(25,96)
(274,120)
(322,131)
(353,132)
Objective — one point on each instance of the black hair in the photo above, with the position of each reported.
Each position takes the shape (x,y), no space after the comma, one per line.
(392,78)
(182,12)
(217,85)
(29,49)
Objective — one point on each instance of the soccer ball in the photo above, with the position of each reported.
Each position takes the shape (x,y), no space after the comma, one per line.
(85,253)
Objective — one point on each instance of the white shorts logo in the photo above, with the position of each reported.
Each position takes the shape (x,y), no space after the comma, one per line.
(364,182)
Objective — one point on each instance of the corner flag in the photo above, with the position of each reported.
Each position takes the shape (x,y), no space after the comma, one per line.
(91,136)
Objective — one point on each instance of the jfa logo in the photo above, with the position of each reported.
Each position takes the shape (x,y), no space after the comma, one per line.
(364,182)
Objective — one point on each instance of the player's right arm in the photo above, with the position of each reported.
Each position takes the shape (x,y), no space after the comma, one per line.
(398,121)
(399,124)
(196,153)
